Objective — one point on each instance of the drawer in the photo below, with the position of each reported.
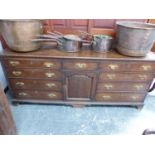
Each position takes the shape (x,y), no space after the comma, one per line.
(120,97)
(36,94)
(37,63)
(122,86)
(141,77)
(78,65)
(128,66)
(34,73)
(35,84)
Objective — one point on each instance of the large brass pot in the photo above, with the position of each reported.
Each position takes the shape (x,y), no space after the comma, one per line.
(18,34)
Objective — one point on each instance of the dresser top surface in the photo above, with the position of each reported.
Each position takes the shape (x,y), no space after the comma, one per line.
(85,54)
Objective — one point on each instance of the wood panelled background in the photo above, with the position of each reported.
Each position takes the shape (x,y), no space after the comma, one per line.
(65,25)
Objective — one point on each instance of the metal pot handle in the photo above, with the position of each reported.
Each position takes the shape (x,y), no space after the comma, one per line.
(55,34)
(48,40)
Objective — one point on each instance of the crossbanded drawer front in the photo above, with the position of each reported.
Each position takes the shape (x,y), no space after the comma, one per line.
(120,97)
(127,66)
(34,73)
(139,77)
(34,63)
(79,65)
(122,86)
(37,94)
(35,84)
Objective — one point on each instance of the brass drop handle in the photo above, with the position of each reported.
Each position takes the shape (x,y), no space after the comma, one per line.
(51,95)
(23,94)
(113,66)
(111,76)
(146,67)
(49,75)
(14,63)
(106,97)
(138,87)
(142,77)
(135,97)
(17,73)
(48,64)
(20,83)
(50,85)
(108,86)
(80,65)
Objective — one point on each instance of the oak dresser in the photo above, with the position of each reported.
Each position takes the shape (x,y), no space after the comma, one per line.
(82,78)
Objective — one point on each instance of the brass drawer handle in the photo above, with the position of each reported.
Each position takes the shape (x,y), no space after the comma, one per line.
(20,83)
(48,64)
(111,76)
(106,97)
(142,77)
(146,67)
(108,86)
(138,87)
(113,66)
(14,63)
(49,75)
(135,97)
(22,94)
(17,73)
(50,85)
(51,95)
(36,92)
(80,65)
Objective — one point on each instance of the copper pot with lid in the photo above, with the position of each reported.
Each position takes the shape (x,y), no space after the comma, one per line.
(19,34)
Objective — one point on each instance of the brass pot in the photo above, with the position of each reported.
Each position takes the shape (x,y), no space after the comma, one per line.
(18,34)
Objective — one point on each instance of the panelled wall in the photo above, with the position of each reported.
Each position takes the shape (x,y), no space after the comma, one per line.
(65,25)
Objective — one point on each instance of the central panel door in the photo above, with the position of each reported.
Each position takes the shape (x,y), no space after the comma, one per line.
(80,86)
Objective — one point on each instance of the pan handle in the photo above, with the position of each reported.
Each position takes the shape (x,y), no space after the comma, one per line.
(86,41)
(55,34)
(59,33)
(46,36)
(86,33)
(47,40)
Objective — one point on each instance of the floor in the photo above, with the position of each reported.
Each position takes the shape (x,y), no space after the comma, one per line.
(94,120)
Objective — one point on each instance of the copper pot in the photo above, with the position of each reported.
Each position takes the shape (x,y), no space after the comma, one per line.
(102,43)
(134,38)
(18,34)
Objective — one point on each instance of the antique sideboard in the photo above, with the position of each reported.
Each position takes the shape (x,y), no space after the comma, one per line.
(81,78)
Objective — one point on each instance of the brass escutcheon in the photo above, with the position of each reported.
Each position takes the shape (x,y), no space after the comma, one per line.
(80,65)
(20,83)
(14,63)
(113,66)
(17,73)
(50,74)
(48,64)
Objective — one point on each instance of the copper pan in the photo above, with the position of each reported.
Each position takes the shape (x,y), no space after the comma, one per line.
(19,33)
